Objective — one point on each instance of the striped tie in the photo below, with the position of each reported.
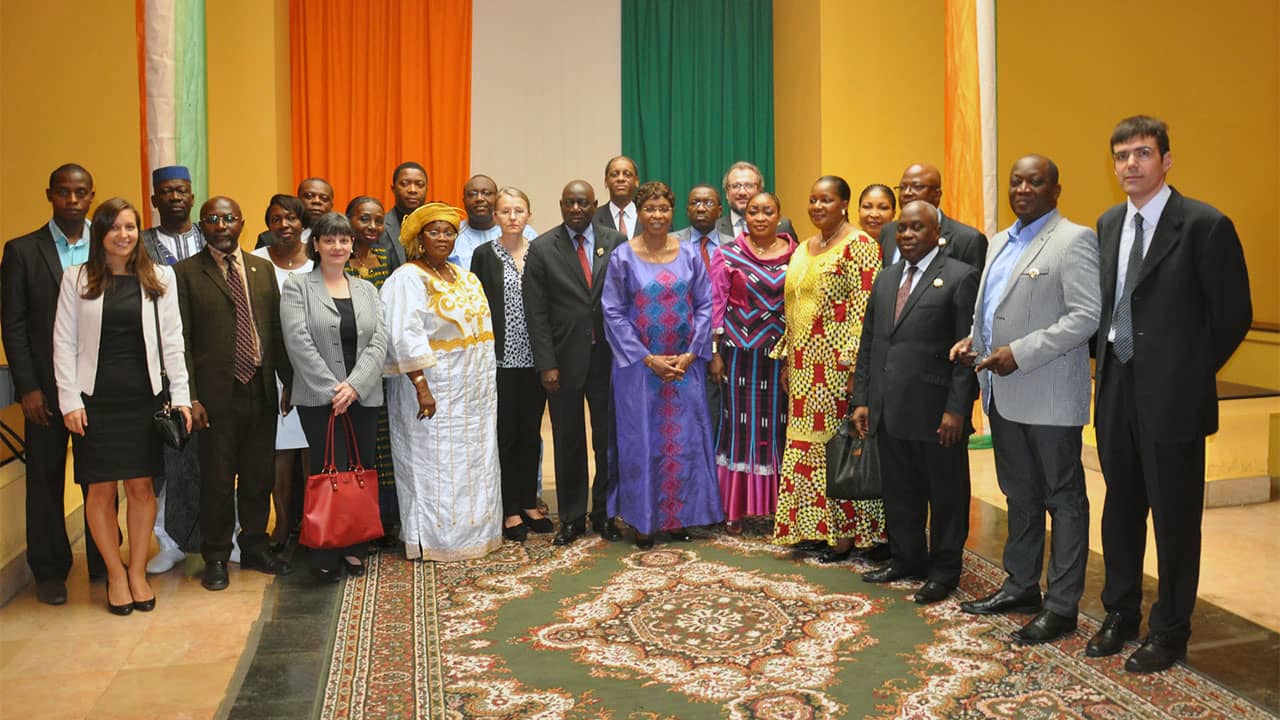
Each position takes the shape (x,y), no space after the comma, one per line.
(246,358)
(1122,320)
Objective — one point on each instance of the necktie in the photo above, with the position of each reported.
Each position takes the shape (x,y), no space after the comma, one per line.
(1122,320)
(742,226)
(904,292)
(622,224)
(706,255)
(246,359)
(582,257)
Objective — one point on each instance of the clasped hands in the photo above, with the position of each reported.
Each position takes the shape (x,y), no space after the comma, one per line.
(669,367)
(1000,361)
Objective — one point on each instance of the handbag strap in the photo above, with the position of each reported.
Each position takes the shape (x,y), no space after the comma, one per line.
(329,468)
(353,449)
(164,375)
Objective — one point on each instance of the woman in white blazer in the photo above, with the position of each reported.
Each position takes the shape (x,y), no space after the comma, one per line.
(106,359)
(336,336)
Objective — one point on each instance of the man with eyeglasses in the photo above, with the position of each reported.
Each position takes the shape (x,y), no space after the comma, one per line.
(563,279)
(1175,305)
(703,210)
(231,322)
(479,196)
(742,182)
(962,242)
(621,179)
(178,497)
(30,276)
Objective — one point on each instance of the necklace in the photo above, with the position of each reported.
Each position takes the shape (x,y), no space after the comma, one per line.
(655,254)
(823,241)
(288,264)
(440,271)
(763,250)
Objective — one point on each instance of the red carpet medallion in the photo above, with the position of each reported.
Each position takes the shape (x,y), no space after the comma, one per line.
(723,627)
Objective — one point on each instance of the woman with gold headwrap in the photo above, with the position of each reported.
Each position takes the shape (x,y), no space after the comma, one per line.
(441,396)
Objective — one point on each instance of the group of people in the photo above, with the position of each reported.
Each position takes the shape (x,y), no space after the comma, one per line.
(715,364)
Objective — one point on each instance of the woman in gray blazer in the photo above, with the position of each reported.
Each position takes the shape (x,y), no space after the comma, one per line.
(337,341)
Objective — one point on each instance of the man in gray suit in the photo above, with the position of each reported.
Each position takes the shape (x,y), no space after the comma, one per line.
(741,183)
(1038,305)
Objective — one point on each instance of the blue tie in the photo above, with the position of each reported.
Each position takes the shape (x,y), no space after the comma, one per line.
(1122,321)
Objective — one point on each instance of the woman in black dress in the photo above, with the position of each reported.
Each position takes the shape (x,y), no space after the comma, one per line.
(107,360)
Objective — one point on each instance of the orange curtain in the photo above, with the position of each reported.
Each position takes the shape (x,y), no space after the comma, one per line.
(962,169)
(380,82)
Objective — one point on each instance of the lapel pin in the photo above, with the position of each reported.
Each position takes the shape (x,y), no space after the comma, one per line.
(1034,273)
(599,252)
(942,242)
(937,282)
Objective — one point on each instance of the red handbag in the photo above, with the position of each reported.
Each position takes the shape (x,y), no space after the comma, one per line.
(341,508)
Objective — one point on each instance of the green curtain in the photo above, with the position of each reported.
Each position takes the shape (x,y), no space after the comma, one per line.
(697,90)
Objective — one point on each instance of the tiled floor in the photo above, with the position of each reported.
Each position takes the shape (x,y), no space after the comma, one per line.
(188,659)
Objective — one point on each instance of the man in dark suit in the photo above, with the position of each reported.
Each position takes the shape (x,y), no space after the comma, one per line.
(957,240)
(621,179)
(1175,305)
(703,209)
(231,323)
(409,186)
(917,403)
(563,279)
(742,182)
(30,275)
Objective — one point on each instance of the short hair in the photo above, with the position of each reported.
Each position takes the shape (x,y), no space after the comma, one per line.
(842,186)
(653,190)
(513,192)
(330,223)
(1141,126)
(359,200)
(773,197)
(327,184)
(706,186)
(893,201)
(410,165)
(67,169)
(742,165)
(634,167)
(292,203)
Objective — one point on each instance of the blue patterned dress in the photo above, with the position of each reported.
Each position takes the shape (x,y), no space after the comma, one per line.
(666,474)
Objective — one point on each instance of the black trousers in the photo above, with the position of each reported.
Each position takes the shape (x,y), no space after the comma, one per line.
(521,401)
(315,425)
(1143,473)
(569,437)
(924,481)
(239,441)
(1039,469)
(48,548)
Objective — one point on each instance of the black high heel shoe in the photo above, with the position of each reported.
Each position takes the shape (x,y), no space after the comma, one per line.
(644,542)
(354,569)
(681,535)
(831,555)
(538,525)
(124,609)
(518,533)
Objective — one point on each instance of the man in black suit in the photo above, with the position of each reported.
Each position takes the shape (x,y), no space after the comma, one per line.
(917,403)
(955,239)
(30,275)
(742,182)
(621,179)
(409,186)
(563,279)
(231,323)
(1175,305)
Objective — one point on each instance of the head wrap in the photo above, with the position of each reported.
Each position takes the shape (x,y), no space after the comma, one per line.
(170,172)
(423,216)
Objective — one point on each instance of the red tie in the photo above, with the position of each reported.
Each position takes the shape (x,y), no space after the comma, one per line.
(245,357)
(582,257)
(622,224)
(903,293)
(706,256)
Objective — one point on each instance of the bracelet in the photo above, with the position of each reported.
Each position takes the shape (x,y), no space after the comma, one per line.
(420,380)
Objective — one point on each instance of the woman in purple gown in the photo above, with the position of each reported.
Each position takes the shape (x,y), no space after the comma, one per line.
(657,313)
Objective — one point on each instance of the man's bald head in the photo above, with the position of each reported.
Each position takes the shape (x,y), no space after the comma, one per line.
(921,181)
(221,222)
(917,230)
(577,205)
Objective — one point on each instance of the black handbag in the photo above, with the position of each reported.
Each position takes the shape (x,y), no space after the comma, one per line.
(853,466)
(169,422)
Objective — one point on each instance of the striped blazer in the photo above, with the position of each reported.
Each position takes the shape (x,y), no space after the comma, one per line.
(309,320)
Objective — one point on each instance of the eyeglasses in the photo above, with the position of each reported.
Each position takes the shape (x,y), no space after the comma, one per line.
(915,187)
(1142,154)
(745,186)
(705,202)
(228,218)
(441,234)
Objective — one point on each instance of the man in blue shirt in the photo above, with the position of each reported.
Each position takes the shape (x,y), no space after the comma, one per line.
(1038,305)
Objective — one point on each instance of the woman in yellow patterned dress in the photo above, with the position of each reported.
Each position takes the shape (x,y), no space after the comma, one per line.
(442,399)
(828,284)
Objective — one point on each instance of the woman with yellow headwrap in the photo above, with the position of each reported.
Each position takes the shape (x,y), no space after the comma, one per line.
(441,396)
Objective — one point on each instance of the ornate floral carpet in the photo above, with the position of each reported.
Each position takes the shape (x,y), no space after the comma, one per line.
(723,627)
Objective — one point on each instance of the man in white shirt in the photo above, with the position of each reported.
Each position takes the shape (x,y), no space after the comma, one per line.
(621,179)
(479,196)
(742,182)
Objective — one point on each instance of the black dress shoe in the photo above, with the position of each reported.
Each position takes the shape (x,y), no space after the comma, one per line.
(877,553)
(932,592)
(1003,601)
(387,542)
(354,569)
(215,575)
(831,555)
(51,592)
(1112,636)
(124,609)
(1156,653)
(1046,626)
(680,536)
(538,525)
(326,575)
(644,542)
(265,562)
(607,530)
(516,533)
(569,533)
(888,574)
